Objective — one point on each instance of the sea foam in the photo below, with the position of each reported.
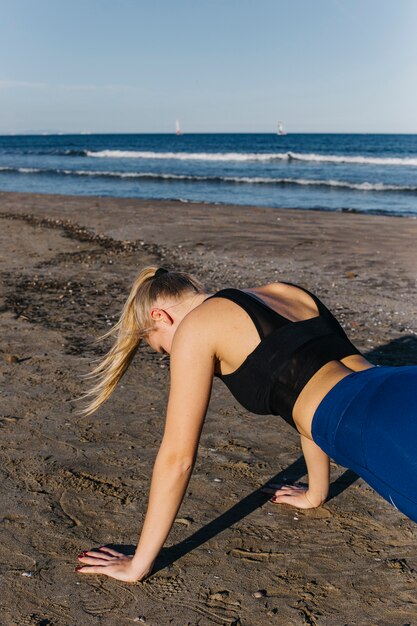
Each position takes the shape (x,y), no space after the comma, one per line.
(254,156)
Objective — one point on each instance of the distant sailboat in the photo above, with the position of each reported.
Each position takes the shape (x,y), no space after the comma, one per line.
(281,130)
(178,130)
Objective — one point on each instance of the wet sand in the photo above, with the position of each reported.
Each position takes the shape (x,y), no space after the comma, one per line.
(70,483)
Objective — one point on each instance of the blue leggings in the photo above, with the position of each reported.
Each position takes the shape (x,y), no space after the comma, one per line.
(368,423)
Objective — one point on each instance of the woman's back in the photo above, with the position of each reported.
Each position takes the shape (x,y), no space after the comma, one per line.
(273,341)
(288,301)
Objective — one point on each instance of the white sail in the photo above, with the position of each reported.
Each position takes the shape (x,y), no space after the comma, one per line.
(178,130)
(280,130)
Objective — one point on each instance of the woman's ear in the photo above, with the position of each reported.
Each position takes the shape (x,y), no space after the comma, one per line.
(156,314)
(160,315)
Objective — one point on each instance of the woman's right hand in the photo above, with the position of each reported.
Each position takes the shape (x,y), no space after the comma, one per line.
(109,562)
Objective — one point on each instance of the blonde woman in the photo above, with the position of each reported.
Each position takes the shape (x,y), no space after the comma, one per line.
(280,351)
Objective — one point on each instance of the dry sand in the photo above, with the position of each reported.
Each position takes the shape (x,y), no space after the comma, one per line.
(70,483)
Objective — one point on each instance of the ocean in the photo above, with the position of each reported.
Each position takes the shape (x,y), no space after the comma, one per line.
(334,172)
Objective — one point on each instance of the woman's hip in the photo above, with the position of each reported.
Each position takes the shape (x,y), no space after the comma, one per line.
(369,420)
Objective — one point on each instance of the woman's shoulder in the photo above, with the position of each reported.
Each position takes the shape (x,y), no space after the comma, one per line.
(199,318)
(206,322)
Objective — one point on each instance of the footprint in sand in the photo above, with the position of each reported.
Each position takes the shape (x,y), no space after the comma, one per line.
(96,600)
(217,606)
(35,620)
(255,555)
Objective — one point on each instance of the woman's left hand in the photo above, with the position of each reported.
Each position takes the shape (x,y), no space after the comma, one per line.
(294,495)
(109,562)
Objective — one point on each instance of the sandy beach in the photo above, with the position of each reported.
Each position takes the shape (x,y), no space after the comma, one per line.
(70,483)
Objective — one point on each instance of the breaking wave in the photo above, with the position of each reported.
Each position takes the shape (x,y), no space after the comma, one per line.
(255,156)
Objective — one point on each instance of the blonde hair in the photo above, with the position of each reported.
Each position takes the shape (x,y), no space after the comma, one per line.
(134,324)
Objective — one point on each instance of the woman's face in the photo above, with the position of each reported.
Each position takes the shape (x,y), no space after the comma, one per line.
(160,339)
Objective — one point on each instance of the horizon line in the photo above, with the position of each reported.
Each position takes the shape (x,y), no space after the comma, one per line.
(57,133)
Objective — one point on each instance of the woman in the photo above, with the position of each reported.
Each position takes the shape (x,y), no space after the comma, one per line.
(280,351)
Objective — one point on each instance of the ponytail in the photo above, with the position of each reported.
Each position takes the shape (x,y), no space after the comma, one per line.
(134,324)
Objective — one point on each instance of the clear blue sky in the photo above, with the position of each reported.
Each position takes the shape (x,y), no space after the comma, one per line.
(216,65)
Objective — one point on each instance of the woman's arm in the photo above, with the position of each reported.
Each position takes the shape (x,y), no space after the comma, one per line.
(192,367)
(318,469)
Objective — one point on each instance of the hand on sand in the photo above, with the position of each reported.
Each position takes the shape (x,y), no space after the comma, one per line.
(294,495)
(109,562)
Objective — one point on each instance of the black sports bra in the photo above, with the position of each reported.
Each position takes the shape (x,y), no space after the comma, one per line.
(271,377)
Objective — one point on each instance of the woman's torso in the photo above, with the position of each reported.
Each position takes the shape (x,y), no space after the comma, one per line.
(239,338)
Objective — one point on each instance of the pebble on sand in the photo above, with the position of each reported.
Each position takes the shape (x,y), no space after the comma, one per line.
(186,521)
(351,274)
(12,358)
(261,593)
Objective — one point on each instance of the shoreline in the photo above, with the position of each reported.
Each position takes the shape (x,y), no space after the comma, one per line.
(70,482)
(199,203)
(290,237)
